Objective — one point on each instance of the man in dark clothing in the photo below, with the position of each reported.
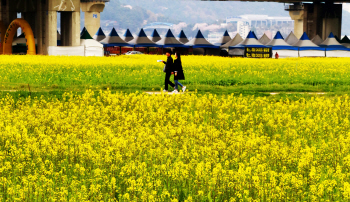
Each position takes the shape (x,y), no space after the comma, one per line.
(168,71)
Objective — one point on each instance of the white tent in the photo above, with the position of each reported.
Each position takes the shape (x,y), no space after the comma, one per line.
(92,47)
(334,48)
(281,47)
(264,39)
(66,50)
(291,39)
(21,40)
(309,49)
(317,40)
(250,41)
(224,39)
(236,40)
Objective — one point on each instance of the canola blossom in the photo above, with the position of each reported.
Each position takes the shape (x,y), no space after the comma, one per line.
(185,147)
(48,72)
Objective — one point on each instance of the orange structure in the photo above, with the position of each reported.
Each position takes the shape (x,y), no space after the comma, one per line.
(12,30)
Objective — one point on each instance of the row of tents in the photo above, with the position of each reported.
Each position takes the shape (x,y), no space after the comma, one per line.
(141,40)
(289,47)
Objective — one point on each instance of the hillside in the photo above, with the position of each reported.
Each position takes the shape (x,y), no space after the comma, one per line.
(134,14)
(193,12)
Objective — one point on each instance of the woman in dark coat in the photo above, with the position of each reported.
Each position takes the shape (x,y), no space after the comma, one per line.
(178,73)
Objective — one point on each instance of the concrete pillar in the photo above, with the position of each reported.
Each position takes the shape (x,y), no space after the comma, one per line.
(313,19)
(49,30)
(70,28)
(298,17)
(75,27)
(39,28)
(332,20)
(92,15)
(92,22)
(321,19)
(331,25)
(7,14)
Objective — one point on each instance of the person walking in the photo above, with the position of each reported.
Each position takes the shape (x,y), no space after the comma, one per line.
(168,71)
(178,73)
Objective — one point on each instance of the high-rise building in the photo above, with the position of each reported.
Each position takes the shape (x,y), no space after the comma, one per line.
(243,28)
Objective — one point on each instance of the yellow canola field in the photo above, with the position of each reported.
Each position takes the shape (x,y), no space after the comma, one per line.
(139,147)
(144,71)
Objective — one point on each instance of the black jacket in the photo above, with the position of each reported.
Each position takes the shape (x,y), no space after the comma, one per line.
(178,68)
(169,65)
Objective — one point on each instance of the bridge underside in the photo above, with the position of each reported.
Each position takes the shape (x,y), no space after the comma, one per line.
(317,18)
(42,18)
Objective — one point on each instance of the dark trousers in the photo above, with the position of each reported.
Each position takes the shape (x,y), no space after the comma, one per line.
(167,81)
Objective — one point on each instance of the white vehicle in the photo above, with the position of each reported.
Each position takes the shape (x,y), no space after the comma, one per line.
(134,53)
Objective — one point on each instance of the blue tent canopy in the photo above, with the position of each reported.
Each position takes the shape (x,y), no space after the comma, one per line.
(279,43)
(113,33)
(226,33)
(155,33)
(141,40)
(224,39)
(182,35)
(332,44)
(128,33)
(306,44)
(304,37)
(114,36)
(251,37)
(200,42)
(169,41)
(284,48)
(100,32)
(278,36)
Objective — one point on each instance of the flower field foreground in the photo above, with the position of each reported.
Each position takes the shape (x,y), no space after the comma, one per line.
(201,72)
(138,147)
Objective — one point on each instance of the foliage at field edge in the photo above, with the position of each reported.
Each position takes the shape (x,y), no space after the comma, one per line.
(137,147)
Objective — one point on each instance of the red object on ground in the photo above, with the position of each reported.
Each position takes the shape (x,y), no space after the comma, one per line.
(276,55)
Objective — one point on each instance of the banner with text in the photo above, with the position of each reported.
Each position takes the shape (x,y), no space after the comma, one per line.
(257,52)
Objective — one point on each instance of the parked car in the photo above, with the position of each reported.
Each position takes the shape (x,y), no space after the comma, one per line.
(133,53)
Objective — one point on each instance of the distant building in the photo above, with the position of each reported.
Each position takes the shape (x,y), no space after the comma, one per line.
(214,37)
(243,29)
(262,23)
(261,20)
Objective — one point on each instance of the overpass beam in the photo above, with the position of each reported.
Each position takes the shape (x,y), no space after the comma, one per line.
(92,12)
